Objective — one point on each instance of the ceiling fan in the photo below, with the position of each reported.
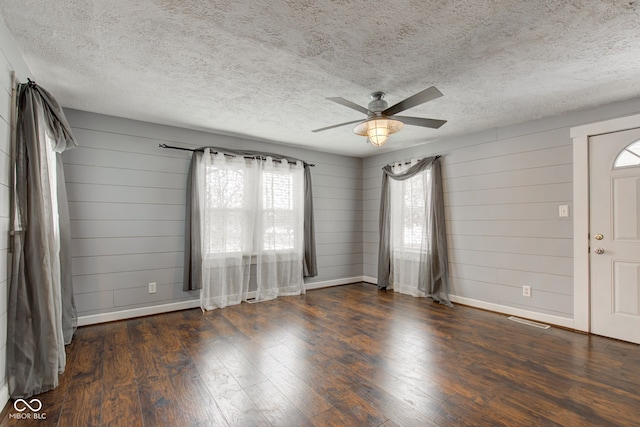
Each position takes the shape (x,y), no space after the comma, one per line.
(381,120)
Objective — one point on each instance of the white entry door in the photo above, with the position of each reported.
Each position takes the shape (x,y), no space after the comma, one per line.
(614,168)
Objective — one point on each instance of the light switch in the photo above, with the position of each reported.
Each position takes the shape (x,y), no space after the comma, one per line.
(563,211)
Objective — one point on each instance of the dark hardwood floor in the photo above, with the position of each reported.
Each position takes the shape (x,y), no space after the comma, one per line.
(342,356)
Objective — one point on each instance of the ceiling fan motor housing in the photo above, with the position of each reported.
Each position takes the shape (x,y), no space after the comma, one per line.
(378,104)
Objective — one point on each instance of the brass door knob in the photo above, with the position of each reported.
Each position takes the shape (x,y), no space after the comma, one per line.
(598,236)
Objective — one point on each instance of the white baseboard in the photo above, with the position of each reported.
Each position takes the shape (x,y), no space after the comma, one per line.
(370,279)
(93,319)
(335,282)
(184,305)
(532,315)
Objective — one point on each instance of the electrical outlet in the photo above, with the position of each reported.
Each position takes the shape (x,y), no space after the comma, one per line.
(526,291)
(563,211)
(152,287)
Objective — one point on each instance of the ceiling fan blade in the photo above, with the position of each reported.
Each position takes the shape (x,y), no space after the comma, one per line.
(336,126)
(419,121)
(417,99)
(349,104)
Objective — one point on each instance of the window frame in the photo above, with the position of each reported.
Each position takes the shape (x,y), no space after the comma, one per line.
(626,149)
(257,238)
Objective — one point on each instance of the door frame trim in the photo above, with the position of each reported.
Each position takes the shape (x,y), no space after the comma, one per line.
(581,277)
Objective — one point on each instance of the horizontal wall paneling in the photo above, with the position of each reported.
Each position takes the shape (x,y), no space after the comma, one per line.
(127,204)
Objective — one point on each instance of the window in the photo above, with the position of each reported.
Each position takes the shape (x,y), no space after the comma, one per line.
(409,202)
(224,201)
(277,211)
(413,215)
(236,226)
(630,156)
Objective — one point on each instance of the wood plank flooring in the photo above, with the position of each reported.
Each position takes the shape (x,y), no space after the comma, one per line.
(342,356)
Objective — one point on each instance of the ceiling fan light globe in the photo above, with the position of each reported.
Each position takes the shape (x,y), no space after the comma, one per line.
(378,129)
(378,140)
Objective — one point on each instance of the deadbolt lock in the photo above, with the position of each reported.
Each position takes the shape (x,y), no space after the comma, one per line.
(598,236)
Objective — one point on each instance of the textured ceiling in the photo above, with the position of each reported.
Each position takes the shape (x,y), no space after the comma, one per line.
(262,68)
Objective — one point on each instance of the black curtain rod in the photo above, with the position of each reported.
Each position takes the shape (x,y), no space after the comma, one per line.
(231,155)
(175,148)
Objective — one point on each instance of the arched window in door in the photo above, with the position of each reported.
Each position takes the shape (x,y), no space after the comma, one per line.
(629,156)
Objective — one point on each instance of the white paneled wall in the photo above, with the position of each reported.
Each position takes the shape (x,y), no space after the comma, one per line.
(5,179)
(10,60)
(127,204)
(502,192)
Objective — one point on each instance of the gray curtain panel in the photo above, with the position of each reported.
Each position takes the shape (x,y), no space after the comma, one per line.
(192,248)
(310,264)
(192,233)
(41,312)
(434,268)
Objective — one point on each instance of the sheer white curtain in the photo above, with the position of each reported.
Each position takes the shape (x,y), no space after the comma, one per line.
(280,230)
(252,213)
(410,206)
(49,182)
(227,196)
